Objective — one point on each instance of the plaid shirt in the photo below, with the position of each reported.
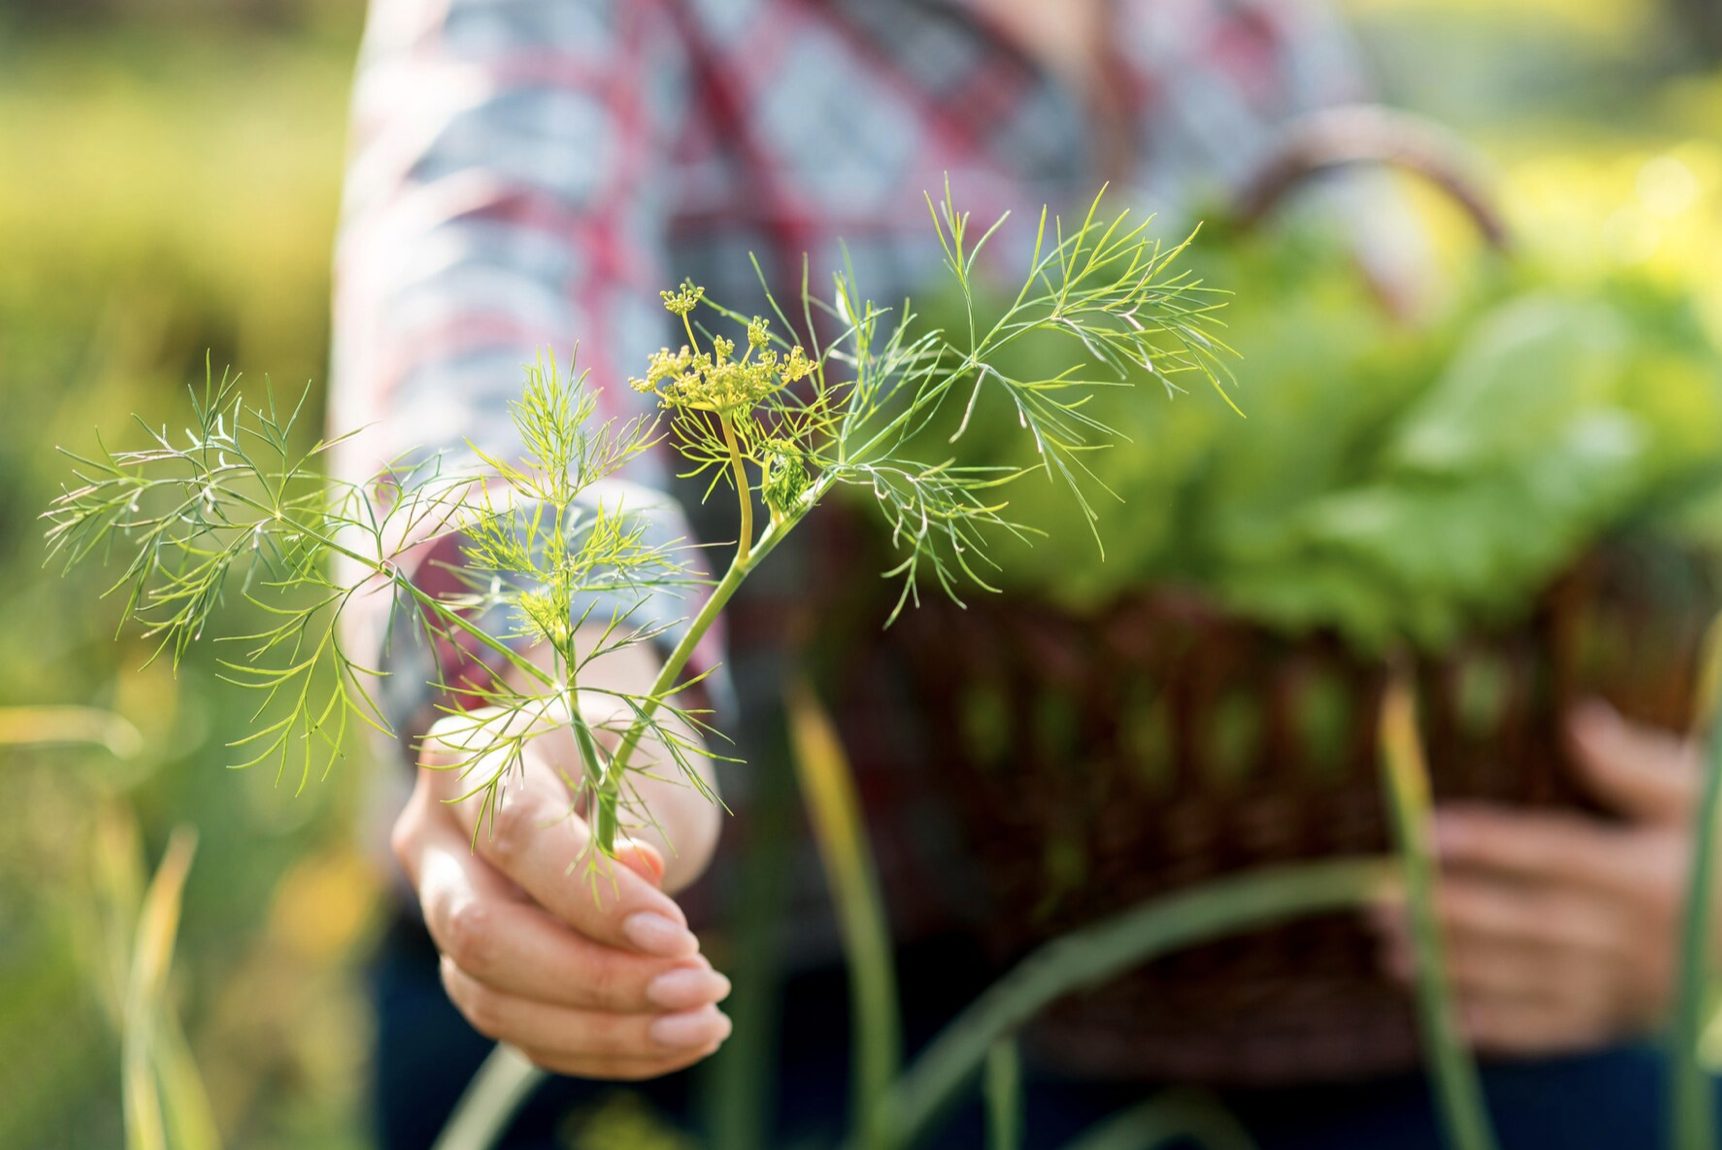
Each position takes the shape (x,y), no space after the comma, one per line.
(526,174)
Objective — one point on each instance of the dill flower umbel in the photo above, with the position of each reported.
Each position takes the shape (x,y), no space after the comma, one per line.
(717,381)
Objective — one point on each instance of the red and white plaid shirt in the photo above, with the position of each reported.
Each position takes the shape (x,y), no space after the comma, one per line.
(527,174)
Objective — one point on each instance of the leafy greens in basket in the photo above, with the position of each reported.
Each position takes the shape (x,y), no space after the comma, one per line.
(1390,481)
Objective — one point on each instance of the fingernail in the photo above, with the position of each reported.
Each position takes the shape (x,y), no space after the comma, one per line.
(694,1028)
(643,859)
(687,987)
(655,934)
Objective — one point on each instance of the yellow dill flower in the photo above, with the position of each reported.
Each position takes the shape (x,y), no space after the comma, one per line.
(758,333)
(684,299)
(715,380)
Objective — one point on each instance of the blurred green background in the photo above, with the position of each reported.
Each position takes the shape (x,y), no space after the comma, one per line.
(169,176)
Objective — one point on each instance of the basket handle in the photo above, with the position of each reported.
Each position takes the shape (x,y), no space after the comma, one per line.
(1355,135)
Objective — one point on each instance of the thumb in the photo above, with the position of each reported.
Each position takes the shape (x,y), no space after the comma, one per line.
(1646,774)
(642,858)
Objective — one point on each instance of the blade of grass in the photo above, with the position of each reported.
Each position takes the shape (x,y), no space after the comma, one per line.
(118,879)
(834,809)
(46,726)
(1003,1089)
(1458,1091)
(1692,1117)
(1173,1116)
(185,1100)
(738,1085)
(146,995)
(1096,953)
(487,1107)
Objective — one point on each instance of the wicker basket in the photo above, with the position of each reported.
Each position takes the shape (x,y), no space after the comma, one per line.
(1096,762)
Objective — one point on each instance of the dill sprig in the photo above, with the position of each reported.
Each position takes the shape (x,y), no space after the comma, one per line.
(236,510)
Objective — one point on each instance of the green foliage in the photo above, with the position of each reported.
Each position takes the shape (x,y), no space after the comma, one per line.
(165,1101)
(1395,482)
(174,191)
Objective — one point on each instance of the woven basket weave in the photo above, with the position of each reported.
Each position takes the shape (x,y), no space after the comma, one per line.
(1100,761)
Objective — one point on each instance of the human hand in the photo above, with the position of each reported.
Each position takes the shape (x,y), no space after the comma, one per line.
(1561,928)
(598,979)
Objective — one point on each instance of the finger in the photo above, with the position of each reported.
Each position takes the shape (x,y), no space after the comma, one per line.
(1645,773)
(518,949)
(478,920)
(642,858)
(533,836)
(456,890)
(1489,968)
(1533,846)
(407,836)
(1483,908)
(564,1031)
(1478,963)
(1521,1027)
(1523,995)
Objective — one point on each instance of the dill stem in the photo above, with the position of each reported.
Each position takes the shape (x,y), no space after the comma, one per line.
(746,557)
(604,788)
(744,492)
(677,660)
(386,567)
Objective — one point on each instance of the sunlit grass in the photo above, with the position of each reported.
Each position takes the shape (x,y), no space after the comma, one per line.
(168,189)
(182,171)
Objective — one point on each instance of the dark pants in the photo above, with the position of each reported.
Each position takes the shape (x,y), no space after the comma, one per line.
(1611,1100)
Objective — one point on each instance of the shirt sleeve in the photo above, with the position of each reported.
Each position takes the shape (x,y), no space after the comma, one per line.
(505,196)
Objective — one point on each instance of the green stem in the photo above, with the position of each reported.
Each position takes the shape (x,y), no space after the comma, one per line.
(1692,1124)
(1177,1116)
(834,810)
(1459,1092)
(747,556)
(1094,954)
(506,1078)
(1003,1090)
(483,1113)
(1694,1114)
(387,569)
(598,777)
(743,490)
(669,675)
